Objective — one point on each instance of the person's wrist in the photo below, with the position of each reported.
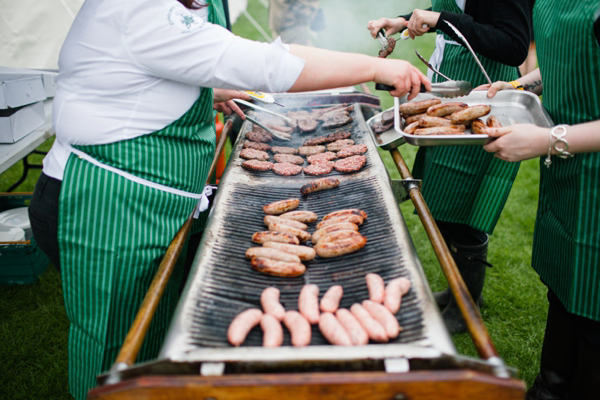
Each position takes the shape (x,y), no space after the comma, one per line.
(516,85)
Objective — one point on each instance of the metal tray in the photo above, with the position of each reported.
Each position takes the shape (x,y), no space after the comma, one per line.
(387,140)
(510,106)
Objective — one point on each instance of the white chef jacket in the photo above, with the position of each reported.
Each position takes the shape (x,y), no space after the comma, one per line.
(129,68)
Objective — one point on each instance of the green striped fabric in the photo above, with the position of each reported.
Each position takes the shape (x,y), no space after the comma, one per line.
(113,233)
(566,250)
(465,184)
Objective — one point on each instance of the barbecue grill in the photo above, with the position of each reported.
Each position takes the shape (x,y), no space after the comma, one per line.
(197,361)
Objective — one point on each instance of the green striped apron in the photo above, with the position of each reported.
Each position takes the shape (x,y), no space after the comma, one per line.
(465,184)
(566,252)
(114,232)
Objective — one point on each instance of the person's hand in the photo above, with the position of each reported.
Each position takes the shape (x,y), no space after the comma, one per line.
(517,142)
(391,26)
(222,99)
(403,76)
(495,88)
(419,19)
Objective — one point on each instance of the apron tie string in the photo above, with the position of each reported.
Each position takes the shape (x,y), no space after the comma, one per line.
(203,203)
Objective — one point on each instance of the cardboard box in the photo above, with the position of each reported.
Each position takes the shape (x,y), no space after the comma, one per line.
(48,77)
(20,90)
(15,123)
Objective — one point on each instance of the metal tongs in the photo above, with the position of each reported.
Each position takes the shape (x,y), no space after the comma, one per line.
(383,40)
(279,135)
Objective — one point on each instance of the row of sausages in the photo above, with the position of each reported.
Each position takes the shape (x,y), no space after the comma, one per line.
(373,319)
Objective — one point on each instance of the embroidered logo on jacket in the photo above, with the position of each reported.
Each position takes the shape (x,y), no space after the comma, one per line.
(181,18)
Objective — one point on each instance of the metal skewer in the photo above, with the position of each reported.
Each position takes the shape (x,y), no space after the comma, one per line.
(279,135)
(431,67)
(468,46)
(259,108)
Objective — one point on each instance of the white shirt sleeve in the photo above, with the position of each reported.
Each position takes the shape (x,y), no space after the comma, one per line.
(165,39)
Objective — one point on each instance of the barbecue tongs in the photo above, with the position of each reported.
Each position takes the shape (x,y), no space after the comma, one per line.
(273,132)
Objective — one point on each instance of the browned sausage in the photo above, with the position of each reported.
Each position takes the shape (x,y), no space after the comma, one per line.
(308,303)
(373,328)
(304,252)
(349,211)
(339,235)
(352,218)
(357,333)
(470,113)
(302,216)
(277,268)
(342,226)
(272,331)
(272,254)
(279,207)
(384,317)
(410,129)
(493,122)
(340,247)
(395,289)
(270,219)
(417,107)
(331,299)
(299,233)
(409,119)
(478,127)
(442,130)
(271,236)
(441,110)
(269,300)
(376,287)
(319,184)
(333,330)
(242,324)
(430,122)
(298,327)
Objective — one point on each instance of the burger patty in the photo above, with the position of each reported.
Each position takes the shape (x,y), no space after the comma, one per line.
(387,117)
(256,146)
(284,150)
(327,139)
(288,158)
(256,165)
(336,120)
(286,169)
(327,156)
(263,137)
(253,154)
(352,150)
(311,150)
(319,168)
(340,144)
(307,125)
(350,164)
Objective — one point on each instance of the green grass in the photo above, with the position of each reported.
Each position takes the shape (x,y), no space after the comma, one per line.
(34,327)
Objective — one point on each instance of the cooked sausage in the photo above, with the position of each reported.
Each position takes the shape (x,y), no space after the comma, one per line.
(338,213)
(304,252)
(342,226)
(493,122)
(339,235)
(308,303)
(299,233)
(269,300)
(242,324)
(409,119)
(376,287)
(384,317)
(279,207)
(357,333)
(277,268)
(395,289)
(319,184)
(298,327)
(333,330)
(340,247)
(272,254)
(270,219)
(478,127)
(430,122)
(373,328)
(442,130)
(410,129)
(272,331)
(302,216)
(352,218)
(331,299)
(441,110)
(470,113)
(417,107)
(270,236)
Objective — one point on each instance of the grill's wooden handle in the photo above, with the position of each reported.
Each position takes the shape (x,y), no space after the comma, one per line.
(137,332)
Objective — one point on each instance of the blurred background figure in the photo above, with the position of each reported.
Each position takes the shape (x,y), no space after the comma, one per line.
(296,21)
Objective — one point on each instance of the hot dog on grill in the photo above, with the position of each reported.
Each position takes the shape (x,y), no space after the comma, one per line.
(308,303)
(340,247)
(298,327)
(352,218)
(271,236)
(269,300)
(319,184)
(302,216)
(242,324)
(272,331)
(331,299)
(441,110)
(395,289)
(357,333)
(333,330)
(271,219)
(338,213)
(277,268)
(342,226)
(373,328)
(417,107)
(384,317)
(280,207)
(272,254)
(299,233)
(304,252)
(376,287)
(470,113)
(441,130)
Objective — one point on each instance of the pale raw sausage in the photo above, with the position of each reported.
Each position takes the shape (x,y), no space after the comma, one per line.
(373,328)
(242,324)
(357,333)
(269,300)
(308,303)
(331,299)
(333,330)
(376,287)
(384,317)
(272,331)
(395,289)
(298,327)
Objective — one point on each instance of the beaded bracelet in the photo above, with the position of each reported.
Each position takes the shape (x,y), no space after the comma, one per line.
(560,144)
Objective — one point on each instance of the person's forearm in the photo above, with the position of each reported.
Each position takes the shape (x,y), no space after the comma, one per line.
(325,69)
(532,82)
(583,138)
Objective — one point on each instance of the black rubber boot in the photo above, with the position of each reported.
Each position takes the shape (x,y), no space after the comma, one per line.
(471,261)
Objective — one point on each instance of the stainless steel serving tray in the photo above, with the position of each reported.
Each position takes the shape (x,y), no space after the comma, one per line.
(510,106)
